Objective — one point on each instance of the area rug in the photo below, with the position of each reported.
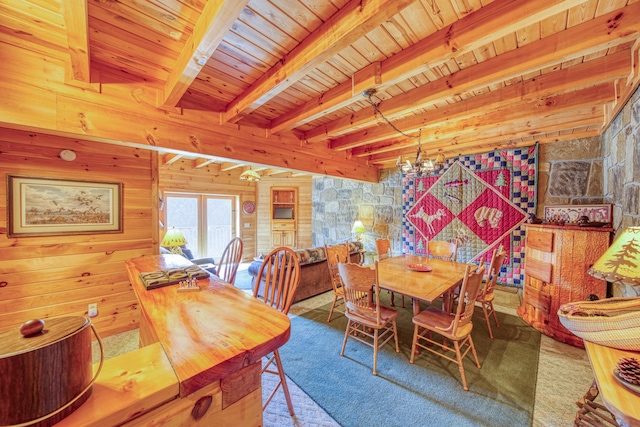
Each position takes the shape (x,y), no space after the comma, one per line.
(427,393)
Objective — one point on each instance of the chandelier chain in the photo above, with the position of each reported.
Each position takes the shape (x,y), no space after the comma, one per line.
(420,165)
(368,95)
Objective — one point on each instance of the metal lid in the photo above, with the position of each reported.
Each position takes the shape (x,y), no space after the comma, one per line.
(13,343)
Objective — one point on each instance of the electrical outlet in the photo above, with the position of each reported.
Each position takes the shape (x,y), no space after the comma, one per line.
(93,310)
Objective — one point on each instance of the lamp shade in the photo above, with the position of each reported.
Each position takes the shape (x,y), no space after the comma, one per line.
(250,175)
(174,237)
(358,227)
(621,262)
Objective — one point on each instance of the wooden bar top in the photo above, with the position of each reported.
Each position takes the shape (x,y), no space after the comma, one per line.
(623,403)
(209,334)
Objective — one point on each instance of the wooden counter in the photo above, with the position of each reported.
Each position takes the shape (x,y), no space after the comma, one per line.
(623,403)
(200,363)
(207,335)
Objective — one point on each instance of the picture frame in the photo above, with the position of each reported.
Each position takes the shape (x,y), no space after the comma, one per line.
(570,214)
(53,207)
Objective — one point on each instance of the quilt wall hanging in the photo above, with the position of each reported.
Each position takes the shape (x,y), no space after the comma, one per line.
(481,200)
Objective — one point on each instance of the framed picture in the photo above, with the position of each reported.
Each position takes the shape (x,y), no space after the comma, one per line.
(48,207)
(571,213)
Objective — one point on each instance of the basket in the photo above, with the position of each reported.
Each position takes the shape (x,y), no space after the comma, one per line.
(612,322)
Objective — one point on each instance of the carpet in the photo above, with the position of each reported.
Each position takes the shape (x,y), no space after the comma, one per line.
(427,393)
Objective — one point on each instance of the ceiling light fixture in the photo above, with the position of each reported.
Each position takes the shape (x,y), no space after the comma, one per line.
(421,165)
(250,175)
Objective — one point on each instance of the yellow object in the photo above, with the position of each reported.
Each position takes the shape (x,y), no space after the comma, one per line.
(621,262)
(174,239)
(358,229)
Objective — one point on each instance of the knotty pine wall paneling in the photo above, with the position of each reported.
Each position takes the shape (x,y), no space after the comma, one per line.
(182,176)
(53,276)
(264,213)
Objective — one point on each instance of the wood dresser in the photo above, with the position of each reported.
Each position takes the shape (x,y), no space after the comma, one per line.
(556,262)
(199,361)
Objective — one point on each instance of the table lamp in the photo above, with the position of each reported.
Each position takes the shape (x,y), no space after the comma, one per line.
(174,240)
(358,229)
(621,262)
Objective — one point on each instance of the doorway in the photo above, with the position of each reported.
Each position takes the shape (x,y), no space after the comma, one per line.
(207,221)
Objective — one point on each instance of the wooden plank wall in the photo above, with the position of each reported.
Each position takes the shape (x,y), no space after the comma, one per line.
(52,276)
(182,176)
(264,213)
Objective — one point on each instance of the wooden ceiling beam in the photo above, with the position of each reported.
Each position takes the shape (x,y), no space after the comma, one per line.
(605,31)
(492,135)
(170,158)
(350,23)
(485,25)
(595,72)
(213,24)
(503,144)
(76,21)
(200,163)
(227,166)
(503,118)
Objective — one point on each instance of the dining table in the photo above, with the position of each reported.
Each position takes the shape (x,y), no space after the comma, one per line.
(420,278)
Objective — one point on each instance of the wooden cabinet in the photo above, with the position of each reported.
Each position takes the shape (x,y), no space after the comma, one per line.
(284,214)
(556,262)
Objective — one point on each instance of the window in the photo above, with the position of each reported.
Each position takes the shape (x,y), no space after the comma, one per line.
(208,222)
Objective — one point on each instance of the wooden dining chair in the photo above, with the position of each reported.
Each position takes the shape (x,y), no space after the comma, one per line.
(230,260)
(455,327)
(486,295)
(367,322)
(336,254)
(383,250)
(442,249)
(280,273)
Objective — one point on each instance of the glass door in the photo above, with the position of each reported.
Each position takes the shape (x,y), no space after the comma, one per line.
(208,222)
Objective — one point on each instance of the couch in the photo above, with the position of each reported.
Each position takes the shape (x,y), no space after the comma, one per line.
(314,272)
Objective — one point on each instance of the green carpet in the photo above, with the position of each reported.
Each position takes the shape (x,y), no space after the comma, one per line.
(428,393)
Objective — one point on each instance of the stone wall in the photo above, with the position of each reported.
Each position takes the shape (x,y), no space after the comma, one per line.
(621,151)
(570,173)
(337,203)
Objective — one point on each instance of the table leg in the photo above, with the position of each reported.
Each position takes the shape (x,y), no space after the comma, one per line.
(592,413)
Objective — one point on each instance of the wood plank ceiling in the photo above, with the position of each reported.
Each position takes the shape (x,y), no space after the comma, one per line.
(471,75)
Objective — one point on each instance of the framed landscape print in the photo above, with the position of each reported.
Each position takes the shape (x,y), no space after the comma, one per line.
(47,207)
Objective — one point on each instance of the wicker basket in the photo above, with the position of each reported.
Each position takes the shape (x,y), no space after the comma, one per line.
(613,322)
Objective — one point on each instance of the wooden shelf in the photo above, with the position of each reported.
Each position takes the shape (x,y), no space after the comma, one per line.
(284,214)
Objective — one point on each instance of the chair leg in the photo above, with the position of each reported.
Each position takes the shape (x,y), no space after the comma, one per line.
(495,317)
(375,351)
(413,344)
(486,317)
(283,380)
(473,351)
(395,336)
(346,337)
(333,305)
(456,346)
